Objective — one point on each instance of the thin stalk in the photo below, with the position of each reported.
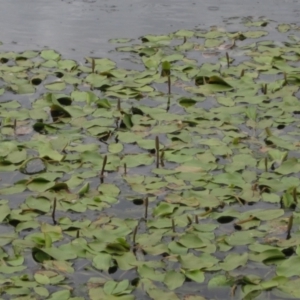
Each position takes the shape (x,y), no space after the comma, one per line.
(15,125)
(254,188)
(93,65)
(239,200)
(53,211)
(196,219)
(135,232)
(119,105)
(242,73)
(289,228)
(285,78)
(233,289)
(168,104)
(251,218)
(103,169)
(169,84)
(64,148)
(228,59)
(134,235)
(146,203)
(125,169)
(162,158)
(117,123)
(78,234)
(157,151)
(173,225)
(117,138)
(264,89)
(189,219)
(210,210)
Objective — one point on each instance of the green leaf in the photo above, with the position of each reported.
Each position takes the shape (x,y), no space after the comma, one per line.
(104,103)
(184,33)
(231,179)
(84,189)
(25,88)
(251,113)
(195,275)
(233,261)
(109,189)
(149,273)
(56,86)
(289,267)
(190,240)
(50,55)
(7,148)
(192,262)
(115,148)
(283,27)
(174,280)
(46,150)
(57,253)
(218,281)
(109,287)
(240,238)
(60,295)
(4,212)
(255,34)
(164,209)
(121,287)
(102,261)
(41,279)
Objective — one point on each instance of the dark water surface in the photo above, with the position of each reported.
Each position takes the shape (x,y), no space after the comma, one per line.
(77,27)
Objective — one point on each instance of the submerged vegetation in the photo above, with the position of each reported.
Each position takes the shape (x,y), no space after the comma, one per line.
(176,179)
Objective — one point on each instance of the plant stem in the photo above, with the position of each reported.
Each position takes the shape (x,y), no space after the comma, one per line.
(169,84)
(242,73)
(289,228)
(146,203)
(228,59)
(103,168)
(162,158)
(157,151)
(53,211)
(93,65)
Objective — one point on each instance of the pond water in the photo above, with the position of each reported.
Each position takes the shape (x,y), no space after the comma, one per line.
(77,27)
(82,28)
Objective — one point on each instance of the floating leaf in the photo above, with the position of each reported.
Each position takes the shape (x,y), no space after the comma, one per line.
(173,279)
(50,55)
(56,86)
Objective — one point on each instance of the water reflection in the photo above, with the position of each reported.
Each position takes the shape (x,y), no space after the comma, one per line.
(86,25)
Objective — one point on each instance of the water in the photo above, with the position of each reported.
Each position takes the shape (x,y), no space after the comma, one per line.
(77,28)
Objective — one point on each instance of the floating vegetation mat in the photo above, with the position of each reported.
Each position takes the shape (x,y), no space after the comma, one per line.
(176,179)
